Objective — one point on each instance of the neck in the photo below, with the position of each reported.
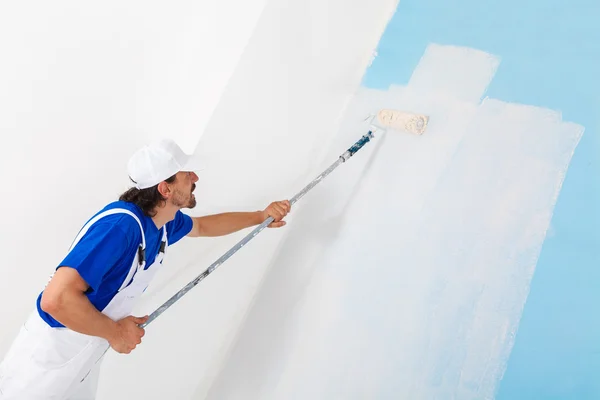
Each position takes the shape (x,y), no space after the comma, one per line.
(164,215)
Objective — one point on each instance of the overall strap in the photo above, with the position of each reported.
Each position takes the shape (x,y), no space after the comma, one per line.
(103,214)
(139,260)
(164,242)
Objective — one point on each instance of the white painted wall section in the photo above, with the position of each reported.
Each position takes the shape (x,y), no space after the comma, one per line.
(83,85)
(415,288)
(280,109)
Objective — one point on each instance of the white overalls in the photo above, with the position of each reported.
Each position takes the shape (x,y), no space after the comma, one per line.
(58,363)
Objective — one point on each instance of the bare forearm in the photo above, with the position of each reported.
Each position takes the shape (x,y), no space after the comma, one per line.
(226,223)
(73,309)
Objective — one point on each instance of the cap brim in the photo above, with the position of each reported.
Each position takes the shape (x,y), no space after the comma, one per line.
(193,164)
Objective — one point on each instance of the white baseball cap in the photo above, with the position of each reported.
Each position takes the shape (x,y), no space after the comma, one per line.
(158,161)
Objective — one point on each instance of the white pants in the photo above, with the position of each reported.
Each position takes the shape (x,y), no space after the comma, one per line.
(51,363)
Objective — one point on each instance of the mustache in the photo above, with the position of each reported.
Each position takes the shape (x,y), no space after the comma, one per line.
(193,187)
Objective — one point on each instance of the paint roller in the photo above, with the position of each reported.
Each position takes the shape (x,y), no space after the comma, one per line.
(402,121)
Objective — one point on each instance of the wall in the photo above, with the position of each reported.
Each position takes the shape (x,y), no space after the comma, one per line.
(460,264)
(425,265)
(259,145)
(83,85)
(414,288)
(280,107)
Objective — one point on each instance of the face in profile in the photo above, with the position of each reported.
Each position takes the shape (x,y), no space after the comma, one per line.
(183,188)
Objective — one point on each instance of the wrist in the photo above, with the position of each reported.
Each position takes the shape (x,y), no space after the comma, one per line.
(261,216)
(112,331)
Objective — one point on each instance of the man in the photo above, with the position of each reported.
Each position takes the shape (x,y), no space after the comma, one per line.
(85,308)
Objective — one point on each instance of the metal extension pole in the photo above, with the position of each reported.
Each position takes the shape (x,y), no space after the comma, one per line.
(341,159)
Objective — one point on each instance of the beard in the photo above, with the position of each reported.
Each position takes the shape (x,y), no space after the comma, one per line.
(184,200)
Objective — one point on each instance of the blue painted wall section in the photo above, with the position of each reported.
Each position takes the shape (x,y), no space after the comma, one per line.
(550,57)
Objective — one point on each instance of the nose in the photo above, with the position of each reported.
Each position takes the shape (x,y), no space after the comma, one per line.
(194,177)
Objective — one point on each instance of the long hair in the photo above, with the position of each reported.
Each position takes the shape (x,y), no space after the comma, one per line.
(146,199)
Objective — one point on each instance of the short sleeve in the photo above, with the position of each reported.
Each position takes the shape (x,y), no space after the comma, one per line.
(180,226)
(102,248)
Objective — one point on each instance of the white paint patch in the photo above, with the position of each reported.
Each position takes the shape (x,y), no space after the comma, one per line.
(451,78)
(404,273)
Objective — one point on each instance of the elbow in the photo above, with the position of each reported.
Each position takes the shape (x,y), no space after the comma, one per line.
(50,302)
(64,288)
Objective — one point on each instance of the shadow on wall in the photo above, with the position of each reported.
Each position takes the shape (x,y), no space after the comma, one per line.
(405,273)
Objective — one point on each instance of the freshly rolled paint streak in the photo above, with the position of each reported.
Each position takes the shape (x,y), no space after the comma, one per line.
(417,288)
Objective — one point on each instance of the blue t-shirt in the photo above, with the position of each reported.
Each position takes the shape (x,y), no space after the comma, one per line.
(105,253)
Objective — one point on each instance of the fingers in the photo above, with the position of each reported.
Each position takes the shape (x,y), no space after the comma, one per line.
(140,320)
(278,210)
(130,334)
(277,224)
(140,331)
(129,348)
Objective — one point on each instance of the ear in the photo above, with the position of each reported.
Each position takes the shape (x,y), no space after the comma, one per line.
(164,189)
